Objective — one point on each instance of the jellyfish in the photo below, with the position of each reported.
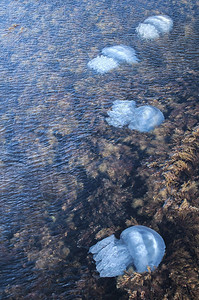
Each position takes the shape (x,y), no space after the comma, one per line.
(144,118)
(121,53)
(154,26)
(112,57)
(139,246)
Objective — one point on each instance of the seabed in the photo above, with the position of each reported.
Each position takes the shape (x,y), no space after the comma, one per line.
(68,179)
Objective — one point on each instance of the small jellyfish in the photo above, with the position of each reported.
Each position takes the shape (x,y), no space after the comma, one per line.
(139,246)
(112,57)
(154,26)
(102,64)
(144,118)
(121,53)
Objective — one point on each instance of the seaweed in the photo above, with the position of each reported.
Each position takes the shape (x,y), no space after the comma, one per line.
(175,211)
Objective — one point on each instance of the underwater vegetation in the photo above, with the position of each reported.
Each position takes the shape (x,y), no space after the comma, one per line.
(175,193)
(154,26)
(139,246)
(68,178)
(144,118)
(112,57)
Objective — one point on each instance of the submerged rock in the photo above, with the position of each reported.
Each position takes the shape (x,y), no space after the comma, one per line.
(144,118)
(154,26)
(138,246)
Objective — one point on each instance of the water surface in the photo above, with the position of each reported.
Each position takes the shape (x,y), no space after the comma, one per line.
(65,173)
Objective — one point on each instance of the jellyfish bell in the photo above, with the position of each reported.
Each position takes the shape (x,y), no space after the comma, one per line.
(121,53)
(146,118)
(162,23)
(145,245)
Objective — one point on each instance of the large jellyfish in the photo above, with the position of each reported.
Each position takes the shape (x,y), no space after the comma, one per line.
(144,118)
(139,246)
(154,26)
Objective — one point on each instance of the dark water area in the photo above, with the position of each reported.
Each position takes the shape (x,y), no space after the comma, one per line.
(67,177)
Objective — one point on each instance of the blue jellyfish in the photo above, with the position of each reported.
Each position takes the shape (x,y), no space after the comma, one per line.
(144,118)
(154,26)
(121,53)
(112,57)
(138,246)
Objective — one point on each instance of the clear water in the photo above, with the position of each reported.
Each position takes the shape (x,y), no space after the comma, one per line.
(60,160)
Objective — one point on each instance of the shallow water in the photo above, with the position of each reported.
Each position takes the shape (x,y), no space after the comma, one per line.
(65,173)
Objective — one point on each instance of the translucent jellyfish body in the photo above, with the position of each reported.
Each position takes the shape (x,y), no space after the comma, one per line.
(112,57)
(154,26)
(144,118)
(121,53)
(138,246)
